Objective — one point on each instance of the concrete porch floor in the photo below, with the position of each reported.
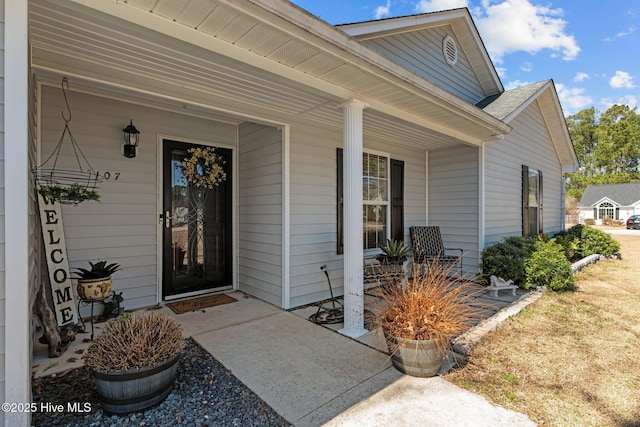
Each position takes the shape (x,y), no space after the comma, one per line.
(312,375)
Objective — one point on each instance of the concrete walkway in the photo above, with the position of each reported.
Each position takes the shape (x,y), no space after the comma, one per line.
(313,376)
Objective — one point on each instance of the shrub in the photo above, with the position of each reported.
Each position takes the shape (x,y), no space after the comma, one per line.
(598,242)
(507,258)
(548,266)
(575,231)
(608,222)
(589,221)
(570,245)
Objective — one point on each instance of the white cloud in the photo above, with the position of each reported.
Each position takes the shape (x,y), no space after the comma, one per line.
(622,80)
(502,72)
(629,100)
(632,29)
(514,84)
(424,6)
(517,25)
(580,77)
(383,11)
(573,99)
(526,67)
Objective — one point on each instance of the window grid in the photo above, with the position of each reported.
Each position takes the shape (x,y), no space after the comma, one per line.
(375,196)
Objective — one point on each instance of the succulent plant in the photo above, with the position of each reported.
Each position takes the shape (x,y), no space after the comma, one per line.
(98,270)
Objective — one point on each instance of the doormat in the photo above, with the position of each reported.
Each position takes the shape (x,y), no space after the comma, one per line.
(194,304)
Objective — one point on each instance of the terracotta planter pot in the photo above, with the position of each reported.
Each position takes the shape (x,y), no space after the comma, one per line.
(135,390)
(94,289)
(418,358)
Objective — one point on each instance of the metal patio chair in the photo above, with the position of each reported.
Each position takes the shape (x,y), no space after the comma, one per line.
(427,246)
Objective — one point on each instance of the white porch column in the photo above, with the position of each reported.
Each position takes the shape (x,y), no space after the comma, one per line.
(16,284)
(353,261)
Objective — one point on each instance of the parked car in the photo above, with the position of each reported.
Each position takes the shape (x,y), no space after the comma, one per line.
(633,222)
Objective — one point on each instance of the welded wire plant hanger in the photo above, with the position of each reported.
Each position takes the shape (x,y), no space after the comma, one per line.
(68,186)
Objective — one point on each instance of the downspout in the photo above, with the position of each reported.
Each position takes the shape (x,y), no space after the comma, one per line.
(563,204)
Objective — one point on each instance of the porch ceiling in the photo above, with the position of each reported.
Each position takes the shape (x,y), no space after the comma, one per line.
(244,57)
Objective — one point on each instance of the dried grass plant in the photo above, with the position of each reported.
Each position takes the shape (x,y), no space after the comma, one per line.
(432,304)
(135,342)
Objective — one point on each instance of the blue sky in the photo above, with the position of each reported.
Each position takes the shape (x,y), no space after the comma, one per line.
(590,48)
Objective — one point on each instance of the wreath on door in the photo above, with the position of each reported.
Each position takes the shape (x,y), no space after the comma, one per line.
(203,167)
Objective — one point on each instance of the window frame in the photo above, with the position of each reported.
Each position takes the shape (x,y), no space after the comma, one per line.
(527,207)
(386,203)
(612,208)
(395,195)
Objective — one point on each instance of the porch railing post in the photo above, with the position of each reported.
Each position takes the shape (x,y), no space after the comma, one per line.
(353,255)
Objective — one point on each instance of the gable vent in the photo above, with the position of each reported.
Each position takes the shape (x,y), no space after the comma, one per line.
(450,50)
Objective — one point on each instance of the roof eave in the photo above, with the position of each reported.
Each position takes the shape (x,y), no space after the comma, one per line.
(300,25)
(345,45)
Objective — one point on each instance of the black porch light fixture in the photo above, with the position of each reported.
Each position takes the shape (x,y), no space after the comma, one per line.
(131,139)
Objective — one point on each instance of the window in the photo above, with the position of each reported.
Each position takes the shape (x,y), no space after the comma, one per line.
(382,199)
(375,199)
(531,201)
(607,210)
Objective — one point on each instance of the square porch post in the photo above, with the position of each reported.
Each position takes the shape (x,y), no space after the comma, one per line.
(353,261)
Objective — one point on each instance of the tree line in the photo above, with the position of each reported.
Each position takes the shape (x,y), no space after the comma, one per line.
(607,146)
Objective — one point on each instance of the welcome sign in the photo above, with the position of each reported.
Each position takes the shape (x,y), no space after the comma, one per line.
(57,262)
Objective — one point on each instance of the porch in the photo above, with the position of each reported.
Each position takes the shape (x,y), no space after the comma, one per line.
(309,374)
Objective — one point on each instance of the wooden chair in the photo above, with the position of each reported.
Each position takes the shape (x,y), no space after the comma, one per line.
(427,246)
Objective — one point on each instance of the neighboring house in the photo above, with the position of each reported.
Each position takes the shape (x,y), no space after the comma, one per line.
(409,109)
(613,201)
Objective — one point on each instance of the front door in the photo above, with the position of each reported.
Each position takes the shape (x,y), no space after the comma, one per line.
(197,232)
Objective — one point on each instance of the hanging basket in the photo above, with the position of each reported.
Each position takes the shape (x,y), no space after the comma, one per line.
(67,186)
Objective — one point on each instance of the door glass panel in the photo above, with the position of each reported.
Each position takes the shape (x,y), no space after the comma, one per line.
(197,227)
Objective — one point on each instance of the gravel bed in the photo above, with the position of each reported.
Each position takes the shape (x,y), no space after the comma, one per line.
(205,394)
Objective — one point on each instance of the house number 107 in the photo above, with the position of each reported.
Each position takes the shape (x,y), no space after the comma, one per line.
(108,175)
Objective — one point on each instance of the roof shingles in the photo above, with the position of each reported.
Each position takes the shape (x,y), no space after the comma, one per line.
(622,194)
(502,105)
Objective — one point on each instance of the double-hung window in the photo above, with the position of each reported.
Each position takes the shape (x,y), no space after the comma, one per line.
(382,199)
(531,201)
(375,199)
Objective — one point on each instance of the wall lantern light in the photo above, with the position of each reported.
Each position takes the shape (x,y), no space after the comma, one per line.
(131,140)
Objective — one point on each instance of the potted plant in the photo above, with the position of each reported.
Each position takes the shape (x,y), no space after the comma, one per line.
(94,284)
(134,361)
(419,318)
(394,250)
(394,253)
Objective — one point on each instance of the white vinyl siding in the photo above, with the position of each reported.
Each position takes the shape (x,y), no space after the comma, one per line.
(528,144)
(454,199)
(314,209)
(313,213)
(260,212)
(421,52)
(123,226)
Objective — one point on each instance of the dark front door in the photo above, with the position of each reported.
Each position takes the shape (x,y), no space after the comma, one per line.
(197,232)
